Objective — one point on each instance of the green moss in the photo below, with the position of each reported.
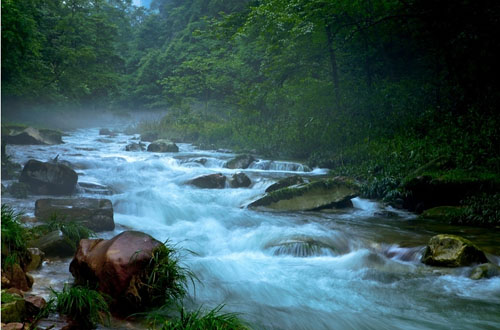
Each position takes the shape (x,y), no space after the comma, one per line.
(443,213)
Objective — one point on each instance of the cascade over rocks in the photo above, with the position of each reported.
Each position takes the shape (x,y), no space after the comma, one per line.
(241,161)
(115,265)
(163,146)
(452,251)
(95,214)
(30,135)
(286,182)
(48,178)
(240,180)
(329,193)
(210,181)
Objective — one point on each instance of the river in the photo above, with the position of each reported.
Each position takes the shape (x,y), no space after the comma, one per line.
(356,269)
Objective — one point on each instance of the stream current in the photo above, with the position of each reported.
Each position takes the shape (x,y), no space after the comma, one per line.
(355,269)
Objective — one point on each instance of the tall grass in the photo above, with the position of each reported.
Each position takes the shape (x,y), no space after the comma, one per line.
(85,306)
(13,237)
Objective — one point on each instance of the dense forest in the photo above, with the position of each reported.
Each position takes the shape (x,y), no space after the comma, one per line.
(389,85)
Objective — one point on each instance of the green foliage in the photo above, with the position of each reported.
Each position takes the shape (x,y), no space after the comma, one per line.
(86,306)
(167,280)
(7,297)
(71,229)
(481,210)
(197,320)
(13,237)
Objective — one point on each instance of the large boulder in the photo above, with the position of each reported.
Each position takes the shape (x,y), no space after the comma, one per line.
(209,181)
(241,161)
(30,135)
(452,251)
(163,146)
(115,265)
(55,244)
(48,178)
(286,182)
(95,214)
(330,193)
(449,188)
(240,180)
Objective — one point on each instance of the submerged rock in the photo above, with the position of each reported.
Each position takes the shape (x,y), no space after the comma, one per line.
(487,270)
(30,135)
(286,182)
(163,146)
(241,161)
(93,213)
(115,265)
(452,251)
(48,178)
(209,181)
(329,193)
(94,188)
(240,180)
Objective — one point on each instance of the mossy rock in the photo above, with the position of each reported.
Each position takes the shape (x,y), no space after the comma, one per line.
(163,146)
(452,251)
(241,161)
(316,195)
(13,308)
(487,270)
(286,182)
(446,214)
(433,189)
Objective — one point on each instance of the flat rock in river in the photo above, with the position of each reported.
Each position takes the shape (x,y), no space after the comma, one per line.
(49,178)
(95,214)
(336,192)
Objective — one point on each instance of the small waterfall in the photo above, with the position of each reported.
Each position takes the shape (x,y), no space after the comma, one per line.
(271,165)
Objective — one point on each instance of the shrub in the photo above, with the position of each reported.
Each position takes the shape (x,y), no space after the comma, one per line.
(85,306)
(13,238)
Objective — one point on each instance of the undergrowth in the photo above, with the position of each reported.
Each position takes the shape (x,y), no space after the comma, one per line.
(13,238)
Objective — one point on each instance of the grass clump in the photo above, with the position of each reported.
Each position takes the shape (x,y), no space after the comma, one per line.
(166,280)
(13,238)
(197,320)
(85,306)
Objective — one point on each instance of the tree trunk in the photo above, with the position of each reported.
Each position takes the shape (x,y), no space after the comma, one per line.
(333,63)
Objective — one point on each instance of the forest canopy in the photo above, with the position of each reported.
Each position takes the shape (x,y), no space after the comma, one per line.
(309,79)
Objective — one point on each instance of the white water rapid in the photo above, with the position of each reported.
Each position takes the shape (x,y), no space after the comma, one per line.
(309,270)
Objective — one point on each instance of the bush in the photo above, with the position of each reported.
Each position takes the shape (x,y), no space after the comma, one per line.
(85,306)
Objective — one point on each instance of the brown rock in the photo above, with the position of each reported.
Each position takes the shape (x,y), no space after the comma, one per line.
(210,181)
(16,278)
(240,180)
(34,305)
(37,257)
(115,264)
(13,326)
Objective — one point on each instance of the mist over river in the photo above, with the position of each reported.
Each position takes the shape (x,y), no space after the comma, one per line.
(352,269)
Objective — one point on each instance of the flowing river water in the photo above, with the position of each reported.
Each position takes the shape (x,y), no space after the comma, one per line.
(355,269)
